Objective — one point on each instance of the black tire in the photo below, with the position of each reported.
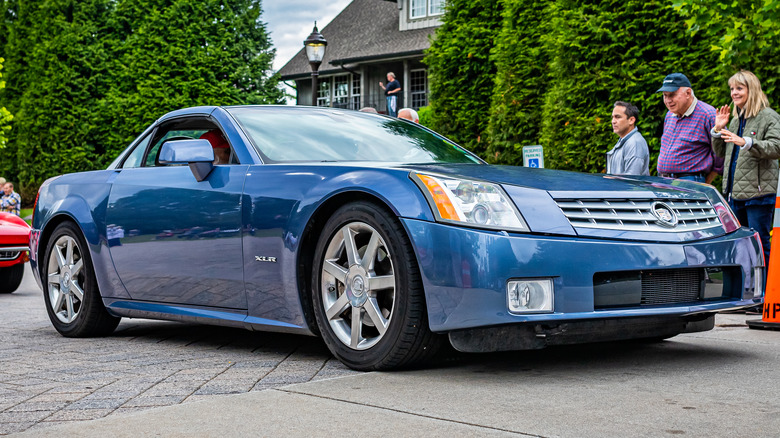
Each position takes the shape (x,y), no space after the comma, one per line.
(386,282)
(11,278)
(72,298)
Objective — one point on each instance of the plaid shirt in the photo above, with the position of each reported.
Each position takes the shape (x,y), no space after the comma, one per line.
(685,143)
(11,203)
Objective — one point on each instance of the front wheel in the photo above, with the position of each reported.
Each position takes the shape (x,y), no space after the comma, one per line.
(11,278)
(71,293)
(367,292)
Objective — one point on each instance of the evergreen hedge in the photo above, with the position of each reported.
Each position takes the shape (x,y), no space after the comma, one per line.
(744,34)
(113,68)
(523,75)
(55,87)
(556,68)
(604,51)
(461,71)
(5,116)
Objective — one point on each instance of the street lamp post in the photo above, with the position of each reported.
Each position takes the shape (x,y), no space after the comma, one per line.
(315,51)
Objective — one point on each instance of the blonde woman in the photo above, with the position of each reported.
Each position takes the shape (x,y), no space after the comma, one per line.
(751,147)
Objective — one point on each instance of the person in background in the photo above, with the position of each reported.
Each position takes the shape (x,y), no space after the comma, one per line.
(409,114)
(686,152)
(10,201)
(630,155)
(368,109)
(219,144)
(391,92)
(751,147)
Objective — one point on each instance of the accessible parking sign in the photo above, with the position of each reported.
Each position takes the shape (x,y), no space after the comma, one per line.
(533,156)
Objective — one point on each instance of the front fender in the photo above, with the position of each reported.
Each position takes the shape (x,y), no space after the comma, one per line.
(393,187)
(276,217)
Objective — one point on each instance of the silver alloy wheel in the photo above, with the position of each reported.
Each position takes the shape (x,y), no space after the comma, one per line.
(65,279)
(358,285)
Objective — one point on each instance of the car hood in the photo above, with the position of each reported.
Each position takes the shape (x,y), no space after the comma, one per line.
(569,184)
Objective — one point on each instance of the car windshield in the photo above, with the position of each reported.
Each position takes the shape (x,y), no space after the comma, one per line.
(295,134)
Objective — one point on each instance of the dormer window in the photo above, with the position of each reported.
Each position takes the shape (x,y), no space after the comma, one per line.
(425,8)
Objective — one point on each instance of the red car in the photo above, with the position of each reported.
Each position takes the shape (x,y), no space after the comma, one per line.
(14,247)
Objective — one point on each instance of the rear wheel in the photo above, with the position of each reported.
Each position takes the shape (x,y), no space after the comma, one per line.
(72,297)
(367,293)
(11,278)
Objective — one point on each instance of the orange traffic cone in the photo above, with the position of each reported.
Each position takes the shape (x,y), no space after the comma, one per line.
(771,316)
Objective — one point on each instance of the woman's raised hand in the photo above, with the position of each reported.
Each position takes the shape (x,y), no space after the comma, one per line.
(721,118)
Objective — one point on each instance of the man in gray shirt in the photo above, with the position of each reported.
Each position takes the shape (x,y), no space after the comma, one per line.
(630,155)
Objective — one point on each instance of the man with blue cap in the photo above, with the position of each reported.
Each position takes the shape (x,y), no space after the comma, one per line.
(686,151)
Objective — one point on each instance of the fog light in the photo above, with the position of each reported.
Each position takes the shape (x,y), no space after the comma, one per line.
(526,296)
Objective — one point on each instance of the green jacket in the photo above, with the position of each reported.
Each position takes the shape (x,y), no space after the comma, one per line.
(756,170)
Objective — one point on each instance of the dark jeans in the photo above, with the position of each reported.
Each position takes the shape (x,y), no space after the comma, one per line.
(697,178)
(757,217)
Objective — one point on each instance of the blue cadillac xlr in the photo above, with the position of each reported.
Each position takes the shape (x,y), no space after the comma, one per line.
(382,237)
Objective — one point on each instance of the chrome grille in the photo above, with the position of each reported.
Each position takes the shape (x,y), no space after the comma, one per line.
(671,286)
(9,255)
(635,214)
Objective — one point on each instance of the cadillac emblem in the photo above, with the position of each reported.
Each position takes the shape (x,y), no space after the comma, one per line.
(664,215)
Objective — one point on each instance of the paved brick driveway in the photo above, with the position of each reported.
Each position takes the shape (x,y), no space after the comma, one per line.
(47,379)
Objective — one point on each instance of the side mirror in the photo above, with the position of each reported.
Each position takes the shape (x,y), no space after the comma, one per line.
(197,153)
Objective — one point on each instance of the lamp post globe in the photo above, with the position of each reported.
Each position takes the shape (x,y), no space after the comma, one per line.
(315,50)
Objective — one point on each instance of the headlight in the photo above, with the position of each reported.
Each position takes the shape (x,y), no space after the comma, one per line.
(469,202)
(727,218)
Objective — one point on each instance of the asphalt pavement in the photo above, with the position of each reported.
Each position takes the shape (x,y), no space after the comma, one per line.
(172,379)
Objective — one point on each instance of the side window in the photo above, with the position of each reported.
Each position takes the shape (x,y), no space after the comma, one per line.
(173,134)
(136,157)
(191,128)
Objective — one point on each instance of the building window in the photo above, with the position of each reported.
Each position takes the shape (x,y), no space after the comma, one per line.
(418,88)
(435,7)
(425,8)
(342,91)
(323,93)
(355,92)
(417,9)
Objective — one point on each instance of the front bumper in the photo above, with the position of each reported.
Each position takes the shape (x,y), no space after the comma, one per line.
(13,255)
(536,336)
(465,273)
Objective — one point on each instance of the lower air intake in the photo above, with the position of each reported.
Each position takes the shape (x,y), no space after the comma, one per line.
(665,286)
(671,286)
